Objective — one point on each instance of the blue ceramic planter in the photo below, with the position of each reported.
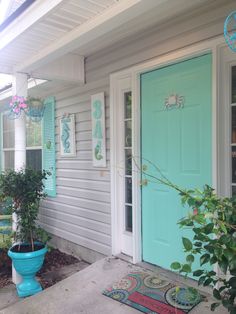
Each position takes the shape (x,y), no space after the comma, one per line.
(27,265)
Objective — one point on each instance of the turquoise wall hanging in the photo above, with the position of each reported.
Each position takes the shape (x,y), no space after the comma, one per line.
(67,136)
(98,130)
(230,30)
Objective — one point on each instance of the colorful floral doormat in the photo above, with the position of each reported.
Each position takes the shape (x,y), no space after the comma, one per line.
(149,293)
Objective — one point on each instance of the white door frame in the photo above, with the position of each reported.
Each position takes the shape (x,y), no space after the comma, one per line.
(212,46)
(121,240)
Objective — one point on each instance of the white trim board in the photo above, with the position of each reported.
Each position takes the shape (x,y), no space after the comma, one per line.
(134,72)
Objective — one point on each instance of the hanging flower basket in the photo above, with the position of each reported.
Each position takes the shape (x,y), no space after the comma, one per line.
(17,105)
(35,108)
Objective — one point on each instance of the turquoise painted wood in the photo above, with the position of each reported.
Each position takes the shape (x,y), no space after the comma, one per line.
(49,154)
(179,142)
(1,141)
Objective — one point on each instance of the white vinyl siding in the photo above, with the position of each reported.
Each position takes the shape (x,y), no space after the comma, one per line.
(81,211)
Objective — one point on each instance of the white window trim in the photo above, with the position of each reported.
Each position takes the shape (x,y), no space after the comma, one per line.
(227,60)
(212,46)
(34,147)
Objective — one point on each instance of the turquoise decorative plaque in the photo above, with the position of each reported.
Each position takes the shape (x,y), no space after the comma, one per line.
(67,136)
(230,30)
(98,130)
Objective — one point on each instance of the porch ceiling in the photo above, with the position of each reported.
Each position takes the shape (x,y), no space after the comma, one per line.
(24,38)
(49,30)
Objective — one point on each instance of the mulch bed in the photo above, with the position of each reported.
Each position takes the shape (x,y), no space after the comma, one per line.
(54,260)
(5,269)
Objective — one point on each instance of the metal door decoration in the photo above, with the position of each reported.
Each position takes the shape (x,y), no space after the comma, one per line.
(174,101)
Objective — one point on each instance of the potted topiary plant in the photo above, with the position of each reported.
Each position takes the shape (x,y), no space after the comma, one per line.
(25,187)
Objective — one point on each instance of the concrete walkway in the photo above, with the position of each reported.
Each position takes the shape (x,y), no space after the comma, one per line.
(82,293)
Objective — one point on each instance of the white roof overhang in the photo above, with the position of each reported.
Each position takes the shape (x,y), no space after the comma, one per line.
(50,39)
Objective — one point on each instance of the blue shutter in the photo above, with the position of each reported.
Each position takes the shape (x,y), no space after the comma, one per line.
(1,141)
(49,154)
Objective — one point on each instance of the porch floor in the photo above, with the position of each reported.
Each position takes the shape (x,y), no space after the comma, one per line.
(82,293)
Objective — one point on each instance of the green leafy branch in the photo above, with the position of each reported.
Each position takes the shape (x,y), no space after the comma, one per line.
(213,222)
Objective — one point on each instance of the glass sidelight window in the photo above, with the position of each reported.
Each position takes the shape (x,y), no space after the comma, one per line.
(233,130)
(123,196)
(128,186)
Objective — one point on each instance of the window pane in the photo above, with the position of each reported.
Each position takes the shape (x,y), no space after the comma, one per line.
(128,218)
(128,162)
(9,160)
(8,132)
(233,190)
(34,159)
(128,190)
(233,124)
(33,133)
(128,133)
(233,84)
(127,103)
(234,164)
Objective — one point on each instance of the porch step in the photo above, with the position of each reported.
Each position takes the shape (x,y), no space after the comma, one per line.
(82,293)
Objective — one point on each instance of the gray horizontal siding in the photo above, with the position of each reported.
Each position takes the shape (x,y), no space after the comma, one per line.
(74,237)
(85,223)
(102,175)
(81,212)
(90,185)
(76,210)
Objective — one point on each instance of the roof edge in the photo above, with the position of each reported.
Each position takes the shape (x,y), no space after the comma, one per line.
(15,14)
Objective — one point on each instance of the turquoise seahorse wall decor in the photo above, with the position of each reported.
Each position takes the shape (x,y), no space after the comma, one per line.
(65,135)
(98,151)
(97,105)
(98,129)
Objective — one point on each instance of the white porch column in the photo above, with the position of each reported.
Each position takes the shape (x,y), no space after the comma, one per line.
(19,87)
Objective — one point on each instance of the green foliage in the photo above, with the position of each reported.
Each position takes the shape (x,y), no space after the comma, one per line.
(6,206)
(26,189)
(5,241)
(213,222)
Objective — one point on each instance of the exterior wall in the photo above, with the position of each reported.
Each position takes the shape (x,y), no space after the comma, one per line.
(81,212)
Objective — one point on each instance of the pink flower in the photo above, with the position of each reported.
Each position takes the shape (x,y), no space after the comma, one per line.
(22,105)
(17,104)
(16,110)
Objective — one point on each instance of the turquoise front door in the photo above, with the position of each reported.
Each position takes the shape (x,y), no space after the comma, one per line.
(176,135)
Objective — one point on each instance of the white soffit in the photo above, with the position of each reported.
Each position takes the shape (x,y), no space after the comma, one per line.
(42,24)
